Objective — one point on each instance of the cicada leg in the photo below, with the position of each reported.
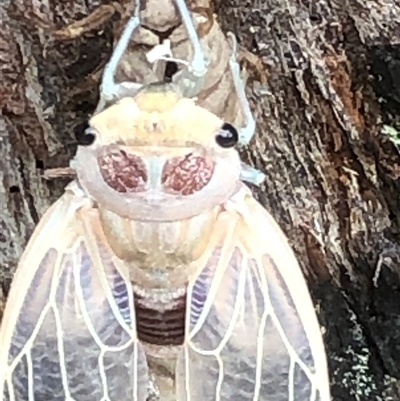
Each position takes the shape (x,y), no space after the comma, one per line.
(246,132)
(109,89)
(190,79)
(251,175)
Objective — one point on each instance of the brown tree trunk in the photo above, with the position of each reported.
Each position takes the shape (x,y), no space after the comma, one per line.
(332,173)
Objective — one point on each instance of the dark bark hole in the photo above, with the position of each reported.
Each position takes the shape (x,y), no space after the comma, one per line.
(170,70)
(14,189)
(39,164)
(84,107)
(80,134)
(316,18)
(254,45)
(385,66)
(161,35)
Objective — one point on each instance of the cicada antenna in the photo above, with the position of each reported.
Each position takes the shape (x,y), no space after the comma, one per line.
(109,89)
(190,79)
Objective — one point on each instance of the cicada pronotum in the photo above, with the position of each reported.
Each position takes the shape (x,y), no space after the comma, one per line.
(158,252)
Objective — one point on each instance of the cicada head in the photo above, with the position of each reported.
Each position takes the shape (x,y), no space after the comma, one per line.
(158,156)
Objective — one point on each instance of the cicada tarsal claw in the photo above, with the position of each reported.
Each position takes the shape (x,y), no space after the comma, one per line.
(190,80)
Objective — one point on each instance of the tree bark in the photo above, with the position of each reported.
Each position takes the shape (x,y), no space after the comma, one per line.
(332,173)
(332,176)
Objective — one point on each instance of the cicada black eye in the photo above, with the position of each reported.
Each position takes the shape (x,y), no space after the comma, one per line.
(88,137)
(228,136)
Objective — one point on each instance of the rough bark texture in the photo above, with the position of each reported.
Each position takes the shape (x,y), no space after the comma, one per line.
(332,175)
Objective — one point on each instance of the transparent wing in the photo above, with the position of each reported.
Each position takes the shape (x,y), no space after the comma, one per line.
(68,331)
(252,332)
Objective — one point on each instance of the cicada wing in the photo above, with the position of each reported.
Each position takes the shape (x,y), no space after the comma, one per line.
(251,331)
(68,331)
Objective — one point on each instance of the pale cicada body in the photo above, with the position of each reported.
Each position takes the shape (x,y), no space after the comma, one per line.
(158,258)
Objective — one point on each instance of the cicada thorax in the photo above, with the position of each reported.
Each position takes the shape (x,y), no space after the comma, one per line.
(168,247)
(161,257)
(158,171)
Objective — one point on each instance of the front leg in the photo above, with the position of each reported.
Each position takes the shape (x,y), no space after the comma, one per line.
(109,89)
(191,79)
(246,133)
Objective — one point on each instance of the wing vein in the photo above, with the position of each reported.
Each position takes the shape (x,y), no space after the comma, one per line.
(42,316)
(32,337)
(260,354)
(102,373)
(60,343)
(89,325)
(96,260)
(291,380)
(220,377)
(293,354)
(290,349)
(30,376)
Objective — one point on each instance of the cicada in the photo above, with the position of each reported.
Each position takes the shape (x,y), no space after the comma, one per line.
(157,254)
